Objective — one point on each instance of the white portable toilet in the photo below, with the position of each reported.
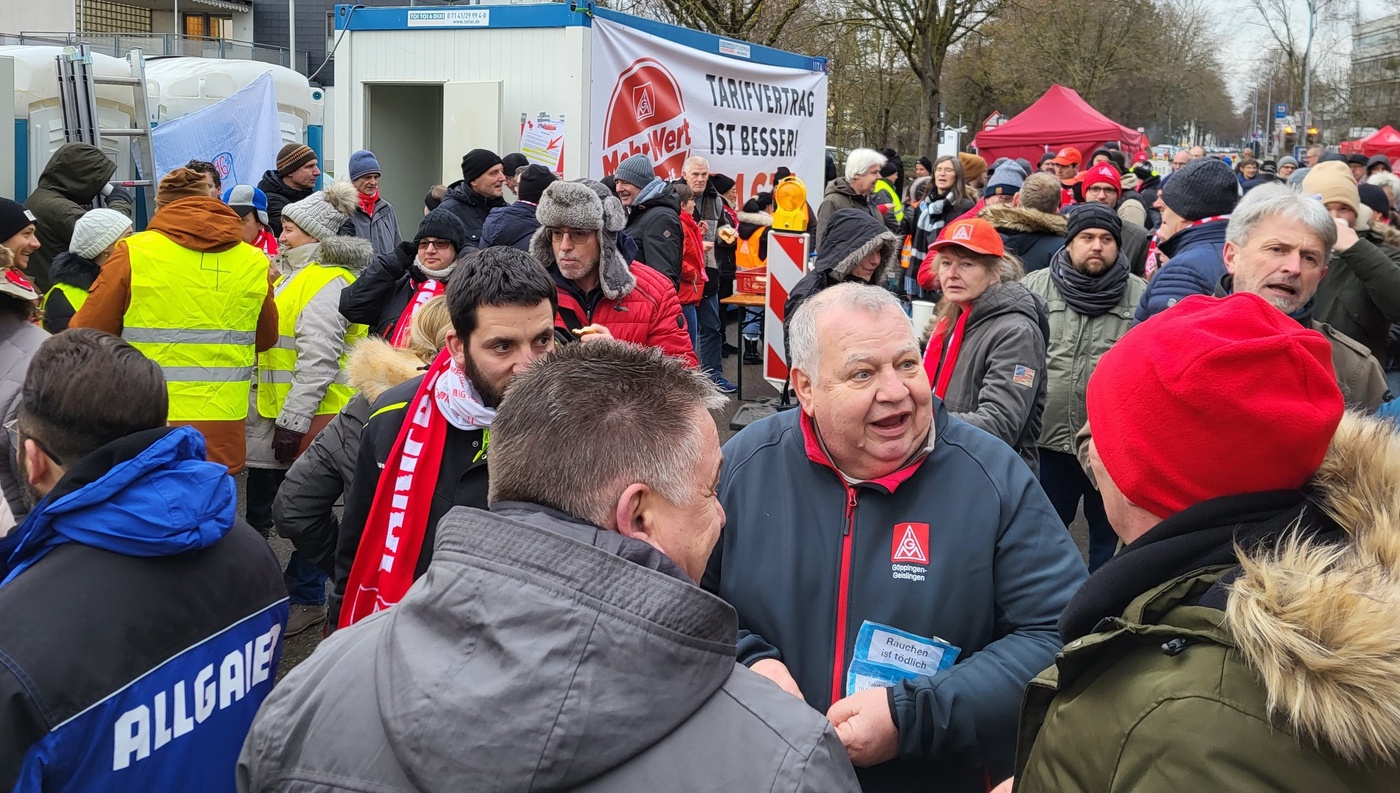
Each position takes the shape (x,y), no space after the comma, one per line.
(179,86)
(37,103)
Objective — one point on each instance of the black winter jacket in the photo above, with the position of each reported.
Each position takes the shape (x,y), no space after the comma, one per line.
(511,226)
(656,228)
(471,207)
(1361,294)
(72,269)
(381,293)
(461,482)
(279,195)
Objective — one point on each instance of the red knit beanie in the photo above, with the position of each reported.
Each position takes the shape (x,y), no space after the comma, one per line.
(1213,397)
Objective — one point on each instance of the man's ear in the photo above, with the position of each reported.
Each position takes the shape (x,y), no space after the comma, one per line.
(36,463)
(457,347)
(1228,254)
(803,387)
(632,512)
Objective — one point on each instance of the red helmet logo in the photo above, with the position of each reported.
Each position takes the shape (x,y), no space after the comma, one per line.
(646,115)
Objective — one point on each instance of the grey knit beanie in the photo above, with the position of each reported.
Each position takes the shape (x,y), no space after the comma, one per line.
(637,170)
(1202,188)
(322,213)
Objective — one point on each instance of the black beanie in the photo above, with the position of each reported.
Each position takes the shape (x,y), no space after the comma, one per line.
(1202,188)
(1374,197)
(1094,215)
(444,225)
(533,181)
(722,183)
(13,218)
(477,162)
(513,162)
(927,163)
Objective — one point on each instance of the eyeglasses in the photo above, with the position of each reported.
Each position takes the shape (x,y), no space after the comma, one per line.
(573,235)
(14,434)
(1101,190)
(438,245)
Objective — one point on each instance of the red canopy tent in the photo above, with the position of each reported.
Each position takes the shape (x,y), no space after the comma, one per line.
(1057,119)
(1383,141)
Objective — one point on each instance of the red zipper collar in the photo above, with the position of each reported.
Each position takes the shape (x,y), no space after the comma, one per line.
(890,482)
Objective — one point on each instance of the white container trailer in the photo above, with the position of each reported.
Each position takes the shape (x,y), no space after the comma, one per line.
(421,86)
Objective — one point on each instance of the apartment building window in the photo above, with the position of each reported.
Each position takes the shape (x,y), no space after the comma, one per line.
(209,26)
(106,16)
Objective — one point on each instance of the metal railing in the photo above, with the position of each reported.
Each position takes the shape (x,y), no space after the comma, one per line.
(159,44)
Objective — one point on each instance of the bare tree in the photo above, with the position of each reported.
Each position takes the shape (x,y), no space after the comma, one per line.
(1293,25)
(923,31)
(758,21)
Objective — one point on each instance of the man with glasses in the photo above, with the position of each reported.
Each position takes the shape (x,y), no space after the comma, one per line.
(1102,186)
(601,294)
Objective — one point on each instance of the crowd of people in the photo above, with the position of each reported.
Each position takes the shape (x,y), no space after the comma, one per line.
(537,565)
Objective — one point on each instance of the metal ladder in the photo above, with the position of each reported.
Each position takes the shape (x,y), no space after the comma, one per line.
(77,88)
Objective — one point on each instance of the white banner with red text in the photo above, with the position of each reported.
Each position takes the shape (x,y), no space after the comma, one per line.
(671,102)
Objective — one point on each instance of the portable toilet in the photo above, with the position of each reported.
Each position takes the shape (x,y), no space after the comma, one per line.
(179,86)
(39,112)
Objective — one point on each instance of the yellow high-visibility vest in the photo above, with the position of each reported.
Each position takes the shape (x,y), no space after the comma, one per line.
(196,314)
(896,206)
(275,366)
(76,296)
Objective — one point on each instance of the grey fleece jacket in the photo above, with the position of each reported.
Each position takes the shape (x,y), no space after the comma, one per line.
(320,341)
(544,654)
(19,340)
(999,381)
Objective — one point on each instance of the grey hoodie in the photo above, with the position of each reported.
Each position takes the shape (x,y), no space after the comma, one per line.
(999,380)
(539,654)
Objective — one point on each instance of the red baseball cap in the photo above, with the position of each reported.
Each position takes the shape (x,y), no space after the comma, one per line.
(974,234)
(1068,156)
(1103,173)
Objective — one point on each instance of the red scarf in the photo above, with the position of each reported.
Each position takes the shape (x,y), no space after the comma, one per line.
(429,289)
(367,202)
(267,242)
(934,353)
(385,560)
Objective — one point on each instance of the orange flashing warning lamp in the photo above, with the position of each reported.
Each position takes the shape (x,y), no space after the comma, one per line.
(790,205)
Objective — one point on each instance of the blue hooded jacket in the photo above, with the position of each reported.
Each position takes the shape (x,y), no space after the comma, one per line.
(140,624)
(1196,265)
(164,501)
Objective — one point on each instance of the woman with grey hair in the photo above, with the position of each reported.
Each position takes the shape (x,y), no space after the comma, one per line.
(986,355)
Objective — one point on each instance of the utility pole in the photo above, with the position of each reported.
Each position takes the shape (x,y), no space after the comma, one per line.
(1307,71)
(1269,112)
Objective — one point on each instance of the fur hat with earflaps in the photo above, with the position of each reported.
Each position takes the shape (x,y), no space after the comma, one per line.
(585,204)
(322,213)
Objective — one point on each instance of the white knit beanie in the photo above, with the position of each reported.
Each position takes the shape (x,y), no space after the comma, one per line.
(322,213)
(96,230)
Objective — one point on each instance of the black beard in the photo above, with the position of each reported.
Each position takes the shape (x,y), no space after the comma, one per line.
(490,395)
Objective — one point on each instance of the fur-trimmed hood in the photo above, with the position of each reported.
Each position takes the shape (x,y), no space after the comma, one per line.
(352,253)
(1320,622)
(586,204)
(72,269)
(375,366)
(850,236)
(1022,220)
(1384,232)
(756,218)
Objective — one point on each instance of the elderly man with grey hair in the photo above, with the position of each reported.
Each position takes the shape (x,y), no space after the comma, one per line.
(1277,247)
(559,641)
(852,191)
(922,539)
